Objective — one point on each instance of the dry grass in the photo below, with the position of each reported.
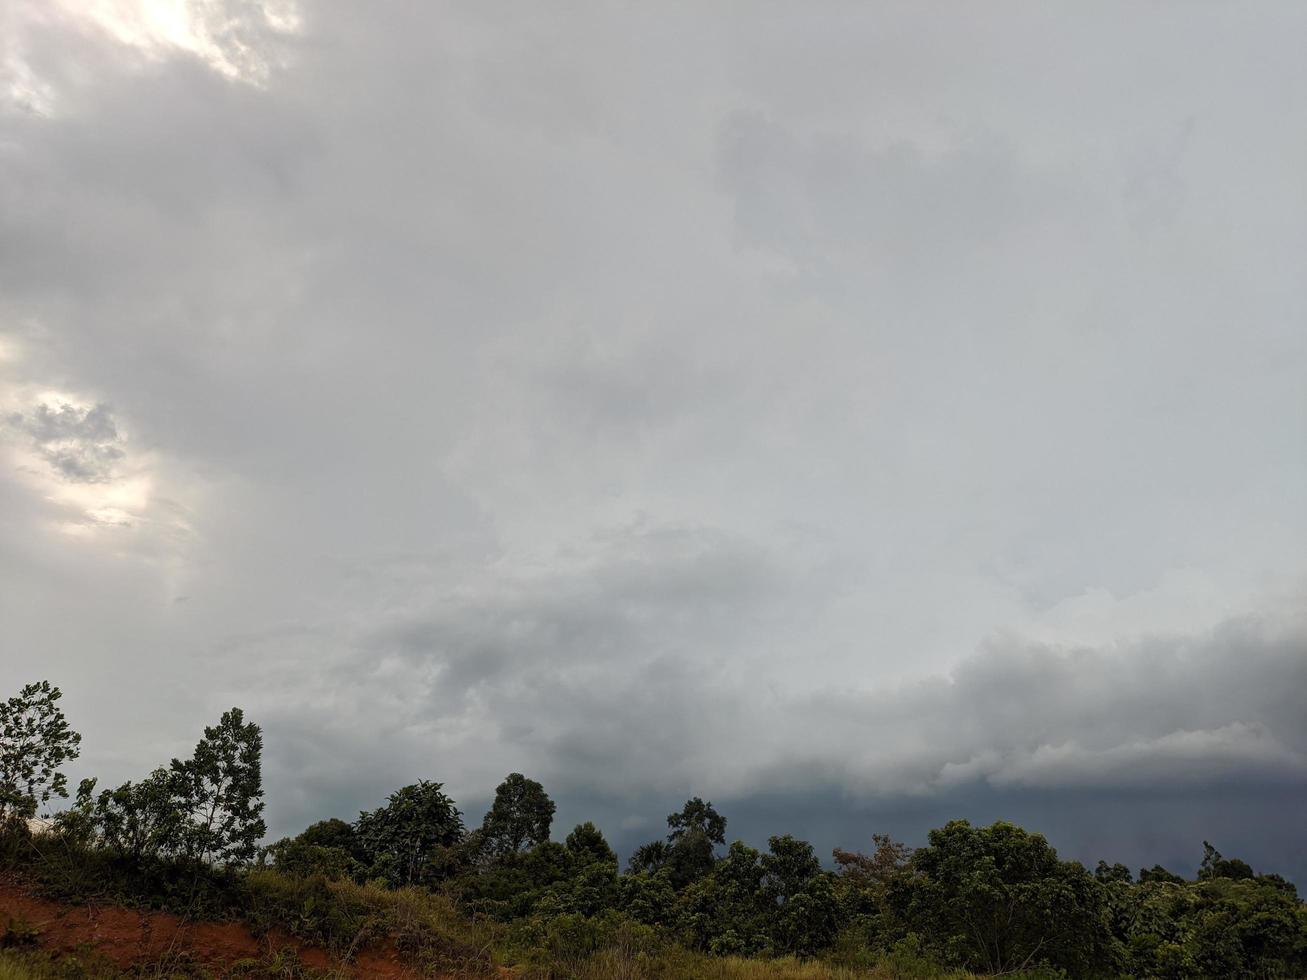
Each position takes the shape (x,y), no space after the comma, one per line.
(679,964)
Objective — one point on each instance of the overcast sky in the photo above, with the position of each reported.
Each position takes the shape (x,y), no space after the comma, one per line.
(856,414)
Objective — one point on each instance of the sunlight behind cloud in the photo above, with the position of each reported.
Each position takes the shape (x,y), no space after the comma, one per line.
(236,40)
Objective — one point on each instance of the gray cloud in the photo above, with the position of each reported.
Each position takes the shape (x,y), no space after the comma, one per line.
(868,415)
(80,444)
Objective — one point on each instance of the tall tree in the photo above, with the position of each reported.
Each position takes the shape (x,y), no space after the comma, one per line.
(220,789)
(694,833)
(519,818)
(697,817)
(35,741)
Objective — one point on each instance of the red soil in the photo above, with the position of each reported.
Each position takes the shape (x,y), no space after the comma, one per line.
(130,937)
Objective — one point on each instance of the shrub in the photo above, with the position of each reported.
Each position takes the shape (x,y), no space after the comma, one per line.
(410,839)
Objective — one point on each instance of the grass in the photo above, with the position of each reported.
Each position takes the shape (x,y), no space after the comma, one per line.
(683,965)
(344,917)
(427,928)
(340,916)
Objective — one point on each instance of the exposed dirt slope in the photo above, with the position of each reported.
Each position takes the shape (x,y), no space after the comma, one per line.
(130,937)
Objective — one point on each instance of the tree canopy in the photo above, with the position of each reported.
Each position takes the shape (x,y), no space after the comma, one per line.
(35,742)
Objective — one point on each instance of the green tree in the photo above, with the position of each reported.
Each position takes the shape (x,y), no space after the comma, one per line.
(648,898)
(220,791)
(35,742)
(586,845)
(805,910)
(143,819)
(1105,872)
(649,858)
(514,886)
(810,918)
(726,911)
(691,841)
(1217,928)
(697,818)
(788,866)
(409,840)
(998,899)
(332,832)
(519,818)
(1159,873)
(1216,866)
(328,848)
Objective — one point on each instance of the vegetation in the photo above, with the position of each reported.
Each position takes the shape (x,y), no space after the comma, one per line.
(994,900)
(35,741)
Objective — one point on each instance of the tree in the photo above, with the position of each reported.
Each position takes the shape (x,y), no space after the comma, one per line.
(407,841)
(519,818)
(648,898)
(514,886)
(649,858)
(809,920)
(1216,866)
(35,742)
(804,906)
(999,899)
(697,818)
(586,845)
(140,820)
(332,832)
(865,871)
(1159,873)
(220,792)
(695,831)
(328,848)
(726,911)
(861,879)
(1107,873)
(788,866)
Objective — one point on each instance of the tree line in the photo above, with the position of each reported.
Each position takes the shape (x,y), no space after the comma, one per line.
(993,899)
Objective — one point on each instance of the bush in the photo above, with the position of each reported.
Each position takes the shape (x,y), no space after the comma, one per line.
(410,840)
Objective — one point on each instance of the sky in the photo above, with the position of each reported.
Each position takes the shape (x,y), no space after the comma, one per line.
(858,415)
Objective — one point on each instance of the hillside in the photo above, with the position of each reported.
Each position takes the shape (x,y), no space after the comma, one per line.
(168,876)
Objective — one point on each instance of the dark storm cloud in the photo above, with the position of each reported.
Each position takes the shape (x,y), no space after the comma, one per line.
(832,415)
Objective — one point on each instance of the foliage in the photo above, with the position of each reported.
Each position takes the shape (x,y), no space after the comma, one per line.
(334,833)
(1215,866)
(1158,873)
(141,820)
(1216,927)
(35,742)
(292,856)
(205,809)
(220,792)
(586,845)
(689,851)
(998,899)
(410,839)
(519,818)
(329,848)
